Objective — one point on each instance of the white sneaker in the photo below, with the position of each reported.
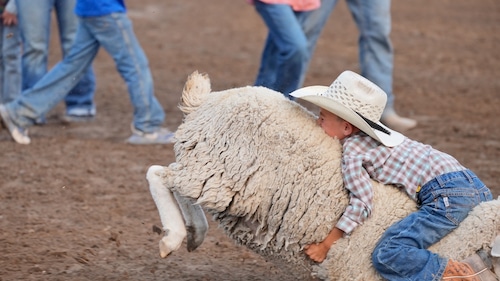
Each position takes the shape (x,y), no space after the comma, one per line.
(19,134)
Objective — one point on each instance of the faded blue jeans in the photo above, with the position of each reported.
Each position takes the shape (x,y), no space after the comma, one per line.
(35,25)
(10,63)
(115,34)
(285,56)
(444,202)
(373,19)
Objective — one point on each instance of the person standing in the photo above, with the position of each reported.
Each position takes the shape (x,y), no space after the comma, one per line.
(376,54)
(10,56)
(101,23)
(285,56)
(35,25)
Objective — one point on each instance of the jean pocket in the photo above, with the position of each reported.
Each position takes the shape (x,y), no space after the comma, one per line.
(457,203)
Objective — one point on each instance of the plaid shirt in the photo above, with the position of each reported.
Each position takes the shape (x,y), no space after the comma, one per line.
(407,166)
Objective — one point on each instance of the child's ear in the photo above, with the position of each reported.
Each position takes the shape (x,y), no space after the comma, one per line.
(349,129)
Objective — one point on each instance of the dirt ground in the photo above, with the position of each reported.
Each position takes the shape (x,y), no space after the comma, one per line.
(75,203)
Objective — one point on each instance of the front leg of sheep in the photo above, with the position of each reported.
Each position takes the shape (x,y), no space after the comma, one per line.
(170,214)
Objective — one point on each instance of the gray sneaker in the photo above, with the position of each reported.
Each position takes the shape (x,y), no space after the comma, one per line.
(76,115)
(161,136)
(70,118)
(19,134)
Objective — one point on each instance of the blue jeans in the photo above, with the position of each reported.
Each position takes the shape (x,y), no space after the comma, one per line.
(444,202)
(10,63)
(34,21)
(373,19)
(115,34)
(285,56)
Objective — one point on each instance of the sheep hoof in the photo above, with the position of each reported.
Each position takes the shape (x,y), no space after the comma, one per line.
(170,243)
(195,237)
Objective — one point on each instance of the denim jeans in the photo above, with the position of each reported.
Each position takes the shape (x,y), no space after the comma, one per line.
(285,55)
(10,63)
(444,202)
(373,19)
(35,23)
(115,34)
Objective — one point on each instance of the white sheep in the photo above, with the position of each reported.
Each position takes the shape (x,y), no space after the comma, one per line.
(260,166)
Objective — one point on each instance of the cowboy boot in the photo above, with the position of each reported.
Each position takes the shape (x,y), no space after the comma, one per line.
(474,268)
(392,120)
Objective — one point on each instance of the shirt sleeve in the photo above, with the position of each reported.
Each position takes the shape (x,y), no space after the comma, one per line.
(11,7)
(358,183)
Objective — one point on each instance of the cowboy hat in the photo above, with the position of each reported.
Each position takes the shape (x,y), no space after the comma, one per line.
(356,100)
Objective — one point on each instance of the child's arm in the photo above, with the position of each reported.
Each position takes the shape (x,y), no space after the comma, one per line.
(317,252)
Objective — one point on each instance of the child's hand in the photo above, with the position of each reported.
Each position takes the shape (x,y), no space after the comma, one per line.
(317,252)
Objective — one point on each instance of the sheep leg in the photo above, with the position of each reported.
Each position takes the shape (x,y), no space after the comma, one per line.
(170,214)
(196,222)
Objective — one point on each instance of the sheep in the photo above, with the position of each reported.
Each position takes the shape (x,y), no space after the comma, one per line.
(271,178)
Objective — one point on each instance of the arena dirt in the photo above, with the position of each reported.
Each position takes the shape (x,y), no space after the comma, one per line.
(75,203)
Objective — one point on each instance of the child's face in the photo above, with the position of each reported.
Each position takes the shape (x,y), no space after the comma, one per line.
(333,125)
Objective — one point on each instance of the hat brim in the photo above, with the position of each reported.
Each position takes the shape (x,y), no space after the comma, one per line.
(313,95)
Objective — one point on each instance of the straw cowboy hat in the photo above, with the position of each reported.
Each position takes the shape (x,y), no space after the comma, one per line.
(356,100)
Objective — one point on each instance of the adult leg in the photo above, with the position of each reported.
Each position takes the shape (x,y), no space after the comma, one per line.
(376,55)
(267,74)
(80,100)
(115,33)
(4,97)
(56,84)
(313,23)
(290,47)
(11,63)
(34,22)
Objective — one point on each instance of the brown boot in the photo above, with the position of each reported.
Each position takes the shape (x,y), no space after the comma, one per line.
(459,271)
(473,268)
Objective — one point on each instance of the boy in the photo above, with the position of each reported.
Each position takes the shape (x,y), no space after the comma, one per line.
(101,23)
(350,110)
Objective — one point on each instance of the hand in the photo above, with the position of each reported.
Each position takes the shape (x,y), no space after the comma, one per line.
(317,252)
(9,18)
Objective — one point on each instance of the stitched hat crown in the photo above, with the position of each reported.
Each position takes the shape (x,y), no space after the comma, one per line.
(363,98)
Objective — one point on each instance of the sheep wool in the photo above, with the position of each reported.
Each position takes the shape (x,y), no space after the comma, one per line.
(271,178)
(256,162)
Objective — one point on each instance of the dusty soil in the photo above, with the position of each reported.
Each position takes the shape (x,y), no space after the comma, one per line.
(75,204)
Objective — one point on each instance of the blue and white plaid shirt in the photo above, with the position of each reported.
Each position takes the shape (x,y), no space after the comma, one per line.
(407,166)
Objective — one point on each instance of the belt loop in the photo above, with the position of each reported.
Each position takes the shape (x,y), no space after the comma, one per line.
(470,175)
(439,181)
